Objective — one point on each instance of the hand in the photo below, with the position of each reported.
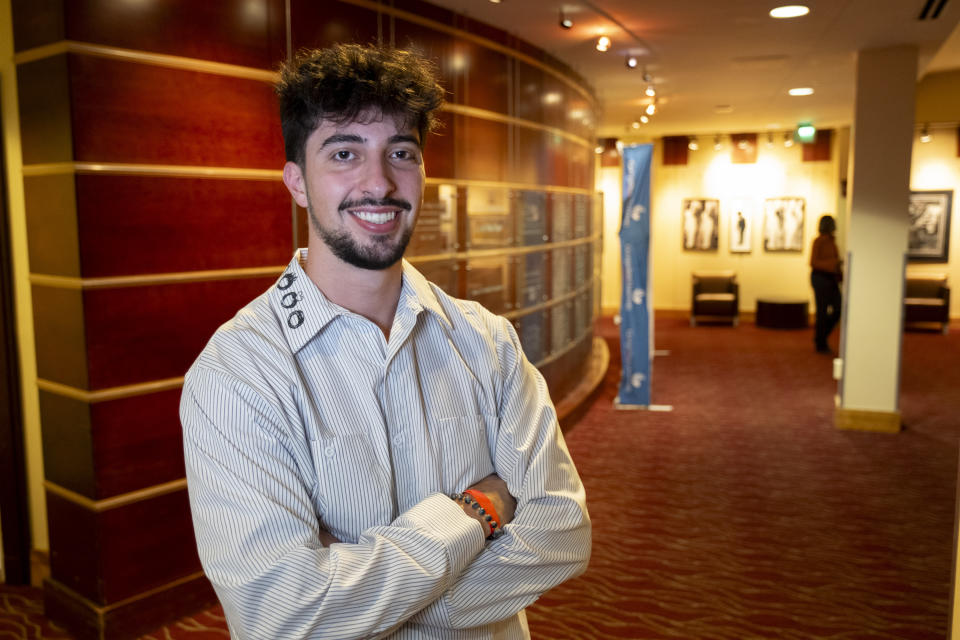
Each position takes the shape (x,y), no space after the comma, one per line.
(326,538)
(496,490)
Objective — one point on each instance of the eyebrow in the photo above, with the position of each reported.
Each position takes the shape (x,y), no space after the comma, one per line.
(339,138)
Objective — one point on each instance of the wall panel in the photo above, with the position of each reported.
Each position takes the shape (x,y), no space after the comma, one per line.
(241,32)
(435,45)
(140,334)
(52,240)
(132,224)
(107,448)
(487,77)
(321,24)
(113,554)
(140,113)
(482,149)
(43,94)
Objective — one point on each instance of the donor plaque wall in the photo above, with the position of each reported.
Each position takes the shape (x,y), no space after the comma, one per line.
(529,255)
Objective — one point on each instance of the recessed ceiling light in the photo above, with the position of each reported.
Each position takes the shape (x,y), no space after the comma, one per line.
(790,11)
(801,91)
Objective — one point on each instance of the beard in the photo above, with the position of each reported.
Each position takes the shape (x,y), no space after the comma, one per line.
(384,251)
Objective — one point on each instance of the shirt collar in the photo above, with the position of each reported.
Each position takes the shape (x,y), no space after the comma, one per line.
(301,307)
(303,310)
(418,294)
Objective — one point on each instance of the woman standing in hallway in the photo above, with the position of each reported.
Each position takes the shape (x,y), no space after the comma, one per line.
(825,277)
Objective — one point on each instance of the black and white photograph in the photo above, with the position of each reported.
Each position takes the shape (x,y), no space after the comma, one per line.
(701,218)
(929,239)
(783,224)
(741,225)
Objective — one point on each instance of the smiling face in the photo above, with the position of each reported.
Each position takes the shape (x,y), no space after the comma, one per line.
(362,184)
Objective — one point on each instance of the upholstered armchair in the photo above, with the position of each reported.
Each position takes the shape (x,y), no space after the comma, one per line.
(716,296)
(926,298)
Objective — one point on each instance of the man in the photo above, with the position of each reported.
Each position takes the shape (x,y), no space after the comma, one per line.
(332,428)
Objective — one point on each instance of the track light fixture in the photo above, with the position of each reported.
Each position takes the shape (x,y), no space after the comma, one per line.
(603,43)
(565,22)
(650,90)
(769,139)
(631,61)
(692,143)
(644,119)
(717,143)
(788,139)
(651,108)
(925,136)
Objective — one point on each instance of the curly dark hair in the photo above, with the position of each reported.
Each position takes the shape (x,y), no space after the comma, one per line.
(342,82)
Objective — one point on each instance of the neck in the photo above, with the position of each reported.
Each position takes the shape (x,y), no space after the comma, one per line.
(369,293)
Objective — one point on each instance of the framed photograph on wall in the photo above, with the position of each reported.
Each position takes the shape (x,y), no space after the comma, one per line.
(701,217)
(929,239)
(741,225)
(783,224)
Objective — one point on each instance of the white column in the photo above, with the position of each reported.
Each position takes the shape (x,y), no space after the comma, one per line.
(872,324)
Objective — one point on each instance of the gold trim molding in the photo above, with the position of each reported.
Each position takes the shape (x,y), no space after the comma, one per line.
(485,114)
(158,170)
(116,501)
(110,393)
(145,57)
(116,282)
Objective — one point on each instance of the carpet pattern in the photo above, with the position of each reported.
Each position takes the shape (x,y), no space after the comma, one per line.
(742,514)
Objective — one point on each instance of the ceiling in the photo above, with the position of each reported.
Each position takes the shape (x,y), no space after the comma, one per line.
(724,66)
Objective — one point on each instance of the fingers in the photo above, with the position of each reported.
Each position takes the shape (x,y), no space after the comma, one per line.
(496,490)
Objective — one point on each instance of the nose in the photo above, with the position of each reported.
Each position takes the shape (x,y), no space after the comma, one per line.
(377,181)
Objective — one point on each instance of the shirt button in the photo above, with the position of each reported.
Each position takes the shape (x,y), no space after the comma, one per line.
(329,451)
(398,440)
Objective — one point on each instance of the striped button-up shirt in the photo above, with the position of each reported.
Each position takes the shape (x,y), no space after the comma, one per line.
(300,415)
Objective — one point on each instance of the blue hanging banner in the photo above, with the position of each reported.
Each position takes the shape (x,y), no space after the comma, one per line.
(635,258)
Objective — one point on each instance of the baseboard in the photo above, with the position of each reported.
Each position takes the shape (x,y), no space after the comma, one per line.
(862,420)
(130,618)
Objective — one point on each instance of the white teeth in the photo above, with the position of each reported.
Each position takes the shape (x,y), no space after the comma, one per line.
(375,218)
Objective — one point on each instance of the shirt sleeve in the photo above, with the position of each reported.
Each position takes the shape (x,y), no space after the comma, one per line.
(257,531)
(549,539)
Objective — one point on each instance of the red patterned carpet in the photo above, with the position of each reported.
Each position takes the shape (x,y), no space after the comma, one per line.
(745,514)
(742,514)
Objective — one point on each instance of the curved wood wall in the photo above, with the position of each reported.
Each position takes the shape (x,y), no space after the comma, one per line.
(152,157)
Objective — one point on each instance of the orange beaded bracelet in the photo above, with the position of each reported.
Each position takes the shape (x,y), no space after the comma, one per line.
(479,501)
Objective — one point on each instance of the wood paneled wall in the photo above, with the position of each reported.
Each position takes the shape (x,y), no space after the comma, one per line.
(152,156)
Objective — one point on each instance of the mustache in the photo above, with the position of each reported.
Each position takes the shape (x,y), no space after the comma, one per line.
(373,202)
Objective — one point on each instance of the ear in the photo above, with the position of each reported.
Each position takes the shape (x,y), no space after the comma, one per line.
(296,183)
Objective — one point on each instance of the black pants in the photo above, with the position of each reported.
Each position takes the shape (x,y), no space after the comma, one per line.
(826,293)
